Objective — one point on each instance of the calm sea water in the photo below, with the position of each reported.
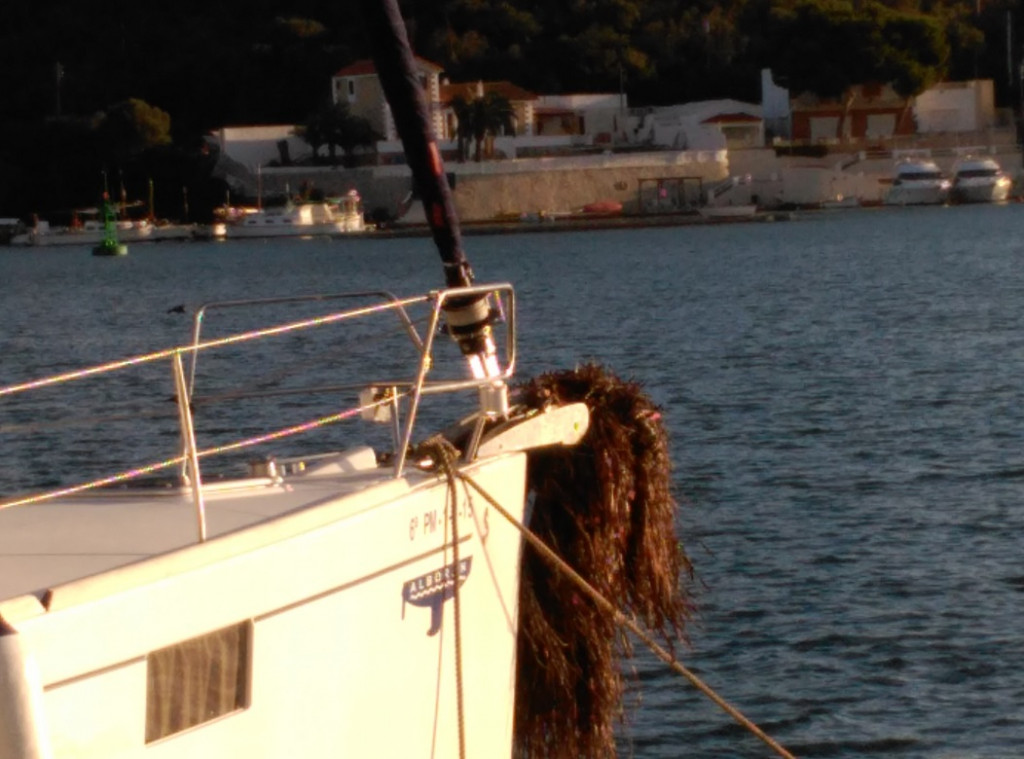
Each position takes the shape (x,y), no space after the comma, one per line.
(845,393)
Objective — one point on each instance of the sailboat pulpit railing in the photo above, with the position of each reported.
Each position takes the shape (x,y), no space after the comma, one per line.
(395,399)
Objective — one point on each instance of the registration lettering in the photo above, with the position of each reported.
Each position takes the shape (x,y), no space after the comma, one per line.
(431,521)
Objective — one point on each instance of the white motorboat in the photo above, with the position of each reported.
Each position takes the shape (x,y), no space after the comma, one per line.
(342,216)
(165,230)
(980,180)
(918,182)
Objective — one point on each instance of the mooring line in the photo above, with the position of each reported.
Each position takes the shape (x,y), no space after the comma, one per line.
(629,623)
(446,456)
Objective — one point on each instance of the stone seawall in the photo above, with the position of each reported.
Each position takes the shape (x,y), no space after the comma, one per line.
(493,189)
(500,189)
(787,181)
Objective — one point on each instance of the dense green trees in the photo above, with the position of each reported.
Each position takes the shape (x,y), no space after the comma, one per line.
(866,42)
(268,61)
(854,44)
(233,62)
(333,126)
(131,127)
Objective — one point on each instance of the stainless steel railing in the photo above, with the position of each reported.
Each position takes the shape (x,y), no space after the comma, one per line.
(378,394)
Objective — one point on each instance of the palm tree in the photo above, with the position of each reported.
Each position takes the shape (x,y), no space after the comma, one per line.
(479,118)
(463,123)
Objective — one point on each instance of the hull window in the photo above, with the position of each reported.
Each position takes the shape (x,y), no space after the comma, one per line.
(197,680)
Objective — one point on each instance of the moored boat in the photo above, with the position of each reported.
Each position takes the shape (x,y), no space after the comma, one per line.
(917,182)
(10,228)
(979,180)
(338,217)
(89,232)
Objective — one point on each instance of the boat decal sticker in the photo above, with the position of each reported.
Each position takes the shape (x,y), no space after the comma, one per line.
(431,590)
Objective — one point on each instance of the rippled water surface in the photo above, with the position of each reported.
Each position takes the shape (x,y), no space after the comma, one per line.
(844,392)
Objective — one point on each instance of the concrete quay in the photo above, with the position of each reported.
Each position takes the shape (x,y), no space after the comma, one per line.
(661,183)
(533,187)
(775,181)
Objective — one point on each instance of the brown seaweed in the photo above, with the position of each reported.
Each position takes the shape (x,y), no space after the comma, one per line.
(605,506)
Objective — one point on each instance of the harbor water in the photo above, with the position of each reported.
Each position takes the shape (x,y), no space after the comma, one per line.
(845,397)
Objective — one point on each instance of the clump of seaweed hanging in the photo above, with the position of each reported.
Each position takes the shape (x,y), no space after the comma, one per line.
(605,506)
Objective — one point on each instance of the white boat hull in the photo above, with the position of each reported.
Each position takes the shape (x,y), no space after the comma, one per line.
(173,232)
(319,605)
(126,232)
(917,182)
(303,220)
(981,191)
(980,179)
(917,194)
(335,601)
(251,231)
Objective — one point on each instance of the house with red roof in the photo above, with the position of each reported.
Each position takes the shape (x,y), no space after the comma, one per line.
(866,111)
(358,86)
(523,103)
(876,113)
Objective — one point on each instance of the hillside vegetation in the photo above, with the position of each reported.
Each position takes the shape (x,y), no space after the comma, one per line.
(78,73)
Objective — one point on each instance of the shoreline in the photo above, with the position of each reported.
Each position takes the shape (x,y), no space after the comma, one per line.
(583,223)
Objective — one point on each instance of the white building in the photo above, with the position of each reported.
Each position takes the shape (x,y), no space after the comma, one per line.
(359,87)
(601,116)
(956,107)
(704,125)
(257,146)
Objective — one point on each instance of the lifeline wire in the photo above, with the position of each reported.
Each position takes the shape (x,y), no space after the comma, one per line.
(156,466)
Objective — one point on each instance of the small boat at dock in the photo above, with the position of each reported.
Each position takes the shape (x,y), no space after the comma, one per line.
(918,182)
(979,180)
(340,216)
(90,232)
